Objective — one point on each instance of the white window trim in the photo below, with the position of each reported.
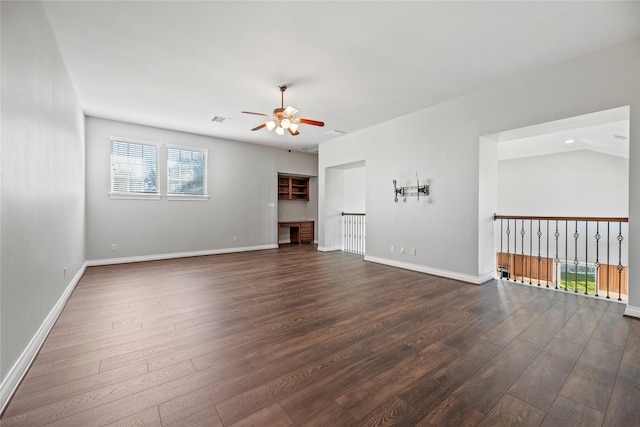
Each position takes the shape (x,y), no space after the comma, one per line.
(132,195)
(199,197)
(189,197)
(135,196)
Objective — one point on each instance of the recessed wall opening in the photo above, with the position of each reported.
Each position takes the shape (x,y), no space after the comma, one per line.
(345,187)
(562,199)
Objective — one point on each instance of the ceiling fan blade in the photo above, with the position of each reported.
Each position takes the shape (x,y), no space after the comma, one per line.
(257,114)
(310,122)
(259,127)
(294,133)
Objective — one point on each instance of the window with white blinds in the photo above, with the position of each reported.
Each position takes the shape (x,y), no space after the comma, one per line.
(186,172)
(134,168)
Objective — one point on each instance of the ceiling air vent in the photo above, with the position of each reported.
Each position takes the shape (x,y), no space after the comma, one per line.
(335,133)
(220,119)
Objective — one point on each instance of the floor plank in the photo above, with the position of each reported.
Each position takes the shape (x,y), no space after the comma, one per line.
(254,339)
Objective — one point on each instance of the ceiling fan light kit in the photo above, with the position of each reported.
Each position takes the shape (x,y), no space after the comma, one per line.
(284,118)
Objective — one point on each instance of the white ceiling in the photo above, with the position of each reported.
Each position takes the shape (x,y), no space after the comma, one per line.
(176,64)
(602,131)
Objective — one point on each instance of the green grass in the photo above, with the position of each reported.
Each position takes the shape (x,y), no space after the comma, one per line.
(567,280)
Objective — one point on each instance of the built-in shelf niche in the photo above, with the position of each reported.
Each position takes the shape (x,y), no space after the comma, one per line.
(291,187)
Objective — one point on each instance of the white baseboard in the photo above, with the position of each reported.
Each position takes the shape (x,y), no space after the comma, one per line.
(632,311)
(22,365)
(487,277)
(429,270)
(329,248)
(157,257)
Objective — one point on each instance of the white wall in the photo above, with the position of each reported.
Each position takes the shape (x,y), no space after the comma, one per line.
(354,190)
(441,143)
(576,183)
(242,185)
(487,178)
(42,187)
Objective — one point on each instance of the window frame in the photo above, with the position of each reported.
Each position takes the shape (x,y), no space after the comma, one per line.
(205,178)
(131,194)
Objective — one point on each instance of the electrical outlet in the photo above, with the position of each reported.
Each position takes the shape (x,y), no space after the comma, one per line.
(64,274)
(235,238)
(401,250)
(413,251)
(114,247)
(393,248)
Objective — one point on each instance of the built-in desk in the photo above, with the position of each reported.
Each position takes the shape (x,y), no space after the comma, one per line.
(299,231)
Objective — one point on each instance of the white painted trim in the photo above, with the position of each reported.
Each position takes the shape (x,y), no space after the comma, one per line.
(135,196)
(632,311)
(429,270)
(135,141)
(329,248)
(487,277)
(188,148)
(196,197)
(22,365)
(157,257)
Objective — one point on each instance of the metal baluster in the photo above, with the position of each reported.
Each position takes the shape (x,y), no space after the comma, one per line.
(508,253)
(364,234)
(586,257)
(354,236)
(566,254)
(346,233)
(620,267)
(358,239)
(547,255)
(539,257)
(597,264)
(344,243)
(530,250)
(515,250)
(351,234)
(575,259)
(557,259)
(608,251)
(522,233)
(501,262)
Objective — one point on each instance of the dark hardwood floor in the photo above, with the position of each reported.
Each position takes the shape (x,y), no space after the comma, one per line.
(298,337)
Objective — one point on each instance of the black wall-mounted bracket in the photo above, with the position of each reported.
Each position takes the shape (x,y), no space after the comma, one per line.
(415,190)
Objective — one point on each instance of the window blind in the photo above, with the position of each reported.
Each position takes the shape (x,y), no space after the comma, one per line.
(134,167)
(186,171)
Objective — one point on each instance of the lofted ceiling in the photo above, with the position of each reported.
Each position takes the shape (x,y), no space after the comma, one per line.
(605,132)
(177,64)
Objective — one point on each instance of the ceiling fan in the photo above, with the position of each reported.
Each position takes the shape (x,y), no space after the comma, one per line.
(284,118)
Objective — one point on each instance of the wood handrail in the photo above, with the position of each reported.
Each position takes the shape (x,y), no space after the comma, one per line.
(563,218)
(351,213)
